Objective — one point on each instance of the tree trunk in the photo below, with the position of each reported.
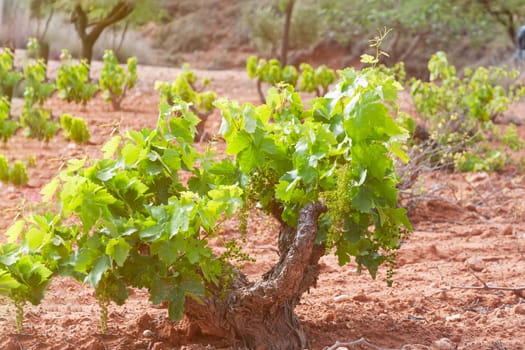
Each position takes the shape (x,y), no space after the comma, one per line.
(80,19)
(286,31)
(260,315)
(87,48)
(122,36)
(43,52)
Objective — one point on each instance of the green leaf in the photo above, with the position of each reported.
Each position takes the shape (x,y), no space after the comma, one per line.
(108,172)
(171,159)
(74,165)
(398,151)
(34,238)
(181,129)
(228,196)
(192,284)
(14,231)
(168,250)
(7,283)
(151,233)
(176,305)
(131,154)
(118,250)
(9,253)
(250,121)
(364,200)
(94,204)
(371,262)
(85,258)
(249,158)
(95,275)
(240,141)
(264,113)
(49,190)
(196,251)
(180,220)
(161,289)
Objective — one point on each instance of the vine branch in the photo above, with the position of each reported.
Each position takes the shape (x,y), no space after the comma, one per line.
(484,285)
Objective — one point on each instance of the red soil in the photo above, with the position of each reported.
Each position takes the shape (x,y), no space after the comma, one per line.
(469,231)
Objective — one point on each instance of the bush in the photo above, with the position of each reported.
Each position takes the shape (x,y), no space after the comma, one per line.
(18,174)
(34,78)
(455,118)
(4,169)
(186,88)
(8,127)
(75,128)
(265,24)
(143,215)
(37,121)
(72,80)
(8,76)
(307,79)
(114,82)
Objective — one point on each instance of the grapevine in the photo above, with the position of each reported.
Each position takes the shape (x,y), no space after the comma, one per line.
(4,169)
(185,88)
(307,79)
(34,78)
(114,82)
(75,128)
(128,220)
(9,77)
(72,80)
(8,127)
(458,113)
(18,174)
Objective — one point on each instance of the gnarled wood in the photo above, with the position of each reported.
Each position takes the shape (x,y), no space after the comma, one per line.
(260,315)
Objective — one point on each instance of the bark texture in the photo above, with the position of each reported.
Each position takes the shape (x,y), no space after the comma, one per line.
(286,31)
(260,315)
(89,37)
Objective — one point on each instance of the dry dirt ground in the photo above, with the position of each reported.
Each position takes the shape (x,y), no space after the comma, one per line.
(469,233)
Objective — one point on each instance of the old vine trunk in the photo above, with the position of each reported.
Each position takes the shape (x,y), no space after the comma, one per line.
(260,315)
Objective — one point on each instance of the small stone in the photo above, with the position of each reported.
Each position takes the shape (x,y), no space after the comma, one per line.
(455,317)
(341,298)
(443,344)
(519,309)
(475,263)
(342,348)
(148,334)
